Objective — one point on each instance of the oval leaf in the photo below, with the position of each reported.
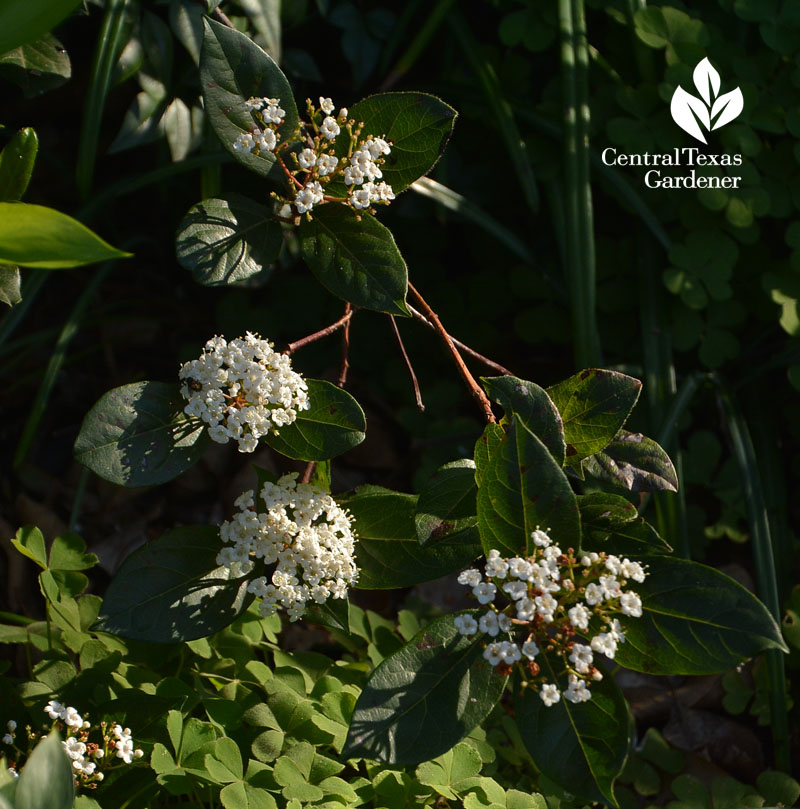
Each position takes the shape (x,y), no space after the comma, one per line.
(37,67)
(583,746)
(695,620)
(447,504)
(23,21)
(612,524)
(138,435)
(46,780)
(355,257)
(634,462)
(16,164)
(423,699)
(523,488)
(334,424)
(221,241)
(35,236)
(533,407)
(232,69)
(594,405)
(388,553)
(172,589)
(417,125)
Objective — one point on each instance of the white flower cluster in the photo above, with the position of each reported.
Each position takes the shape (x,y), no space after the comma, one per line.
(359,169)
(552,600)
(242,389)
(269,114)
(303,533)
(86,756)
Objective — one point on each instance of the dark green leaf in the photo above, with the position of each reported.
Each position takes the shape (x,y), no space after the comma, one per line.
(446,505)
(417,125)
(333,613)
(172,589)
(388,553)
(533,407)
(138,435)
(423,699)
(143,121)
(634,462)
(355,257)
(22,21)
(583,746)
(612,524)
(46,780)
(696,621)
(493,435)
(232,69)
(524,487)
(35,236)
(222,241)
(334,424)
(593,405)
(10,285)
(16,164)
(37,67)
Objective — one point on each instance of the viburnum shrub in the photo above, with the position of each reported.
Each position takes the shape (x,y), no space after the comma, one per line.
(573,577)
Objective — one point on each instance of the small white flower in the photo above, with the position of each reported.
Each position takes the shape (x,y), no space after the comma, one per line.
(579,616)
(326,105)
(615,630)
(265,140)
(604,644)
(488,624)
(272,113)
(75,748)
(589,559)
(610,587)
(470,577)
(465,624)
(8,739)
(581,657)
(11,725)
(526,609)
(307,159)
(632,570)
(549,694)
(361,198)
(631,604)
(254,103)
(73,718)
(510,652)
(540,539)
(593,594)
(613,564)
(519,568)
(493,653)
(484,592)
(530,649)
(496,566)
(326,164)
(577,690)
(304,201)
(244,142)
(343,114)
(504,622)
(329,128)
(55,710)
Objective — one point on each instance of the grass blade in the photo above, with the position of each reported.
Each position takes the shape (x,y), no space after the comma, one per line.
(500,108)
(109,45)
(766,580)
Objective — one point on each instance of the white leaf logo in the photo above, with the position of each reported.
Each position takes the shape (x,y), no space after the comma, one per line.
(711,109)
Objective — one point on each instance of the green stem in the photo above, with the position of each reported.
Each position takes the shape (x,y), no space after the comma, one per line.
(579,215)
(766,579)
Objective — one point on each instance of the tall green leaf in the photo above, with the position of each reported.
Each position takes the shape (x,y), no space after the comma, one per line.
(22,21)
(138,435)
(388,553)
(417,125)
(523,488)
(355,257)
(583,746)
(533,407)
(46,780)
(222,241)
(332,425)
(35,236)
(423,699)
(695,620)
(172,589)
(232,69)
(634,462)
(594,405)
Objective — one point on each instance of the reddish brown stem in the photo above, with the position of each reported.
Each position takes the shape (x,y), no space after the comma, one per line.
(345,364)
(308,472)
(495,366)
(318,335)
(292,178)
(483,402)
(414,382)
(219,16)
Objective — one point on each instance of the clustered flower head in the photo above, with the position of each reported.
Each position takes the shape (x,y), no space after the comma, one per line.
(317,165)
(556,604)
(242,389)
(85,755)
(303,533)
